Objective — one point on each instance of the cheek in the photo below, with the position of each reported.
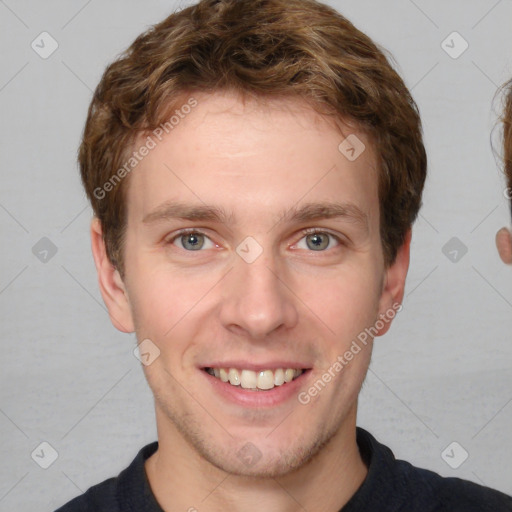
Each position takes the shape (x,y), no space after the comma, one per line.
(345,300)
(170,307)
(159,302)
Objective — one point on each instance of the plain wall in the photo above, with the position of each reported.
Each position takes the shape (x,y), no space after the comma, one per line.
(442,374)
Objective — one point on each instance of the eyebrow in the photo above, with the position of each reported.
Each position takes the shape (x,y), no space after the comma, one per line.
(305,213)
(176,210)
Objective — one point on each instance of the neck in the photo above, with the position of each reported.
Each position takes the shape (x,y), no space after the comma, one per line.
(182,480)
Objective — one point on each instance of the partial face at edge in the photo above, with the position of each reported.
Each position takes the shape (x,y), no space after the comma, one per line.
(504,245)
(252,288)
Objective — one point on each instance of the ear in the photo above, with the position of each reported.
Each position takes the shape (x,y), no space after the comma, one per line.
(111,285)
(394,284)
(504,245)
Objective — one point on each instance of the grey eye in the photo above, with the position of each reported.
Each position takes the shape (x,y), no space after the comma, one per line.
(317,241)
(192,241)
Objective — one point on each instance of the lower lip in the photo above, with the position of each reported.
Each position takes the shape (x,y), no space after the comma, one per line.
(247,398)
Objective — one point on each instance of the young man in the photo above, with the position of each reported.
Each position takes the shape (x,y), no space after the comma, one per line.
(504,235)
(255,168)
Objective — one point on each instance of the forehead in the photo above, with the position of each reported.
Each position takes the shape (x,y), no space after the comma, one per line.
(252,156)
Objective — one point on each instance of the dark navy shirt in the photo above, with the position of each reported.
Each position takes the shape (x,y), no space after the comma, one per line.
(390,486)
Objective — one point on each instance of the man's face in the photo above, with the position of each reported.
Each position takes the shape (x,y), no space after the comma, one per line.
(252,290)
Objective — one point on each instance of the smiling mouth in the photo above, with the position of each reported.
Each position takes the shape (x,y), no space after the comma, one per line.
(263,380)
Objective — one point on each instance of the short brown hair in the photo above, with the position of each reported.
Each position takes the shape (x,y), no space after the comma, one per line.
(260,48)
(507,138)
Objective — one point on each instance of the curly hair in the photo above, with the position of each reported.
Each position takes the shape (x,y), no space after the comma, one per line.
(507,139)
(262,49)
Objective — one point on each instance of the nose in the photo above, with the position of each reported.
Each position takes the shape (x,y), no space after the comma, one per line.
(257,300)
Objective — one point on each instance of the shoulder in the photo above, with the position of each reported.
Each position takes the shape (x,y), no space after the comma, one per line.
(448,493)
(397,485)
(99,498)
(130,490)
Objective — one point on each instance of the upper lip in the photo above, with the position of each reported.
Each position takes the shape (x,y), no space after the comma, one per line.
(257,367)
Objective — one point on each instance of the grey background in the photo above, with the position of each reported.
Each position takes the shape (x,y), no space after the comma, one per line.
(442,374)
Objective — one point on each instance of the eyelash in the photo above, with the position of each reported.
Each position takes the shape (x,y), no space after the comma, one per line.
(304,232)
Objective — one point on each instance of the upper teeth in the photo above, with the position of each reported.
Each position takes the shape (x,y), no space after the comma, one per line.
(264,379)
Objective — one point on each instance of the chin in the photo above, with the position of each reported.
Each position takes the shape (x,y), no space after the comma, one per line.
(270,461)
(267,455)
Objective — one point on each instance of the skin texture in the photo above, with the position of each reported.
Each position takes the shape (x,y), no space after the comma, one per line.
(293,302)
(504,245)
